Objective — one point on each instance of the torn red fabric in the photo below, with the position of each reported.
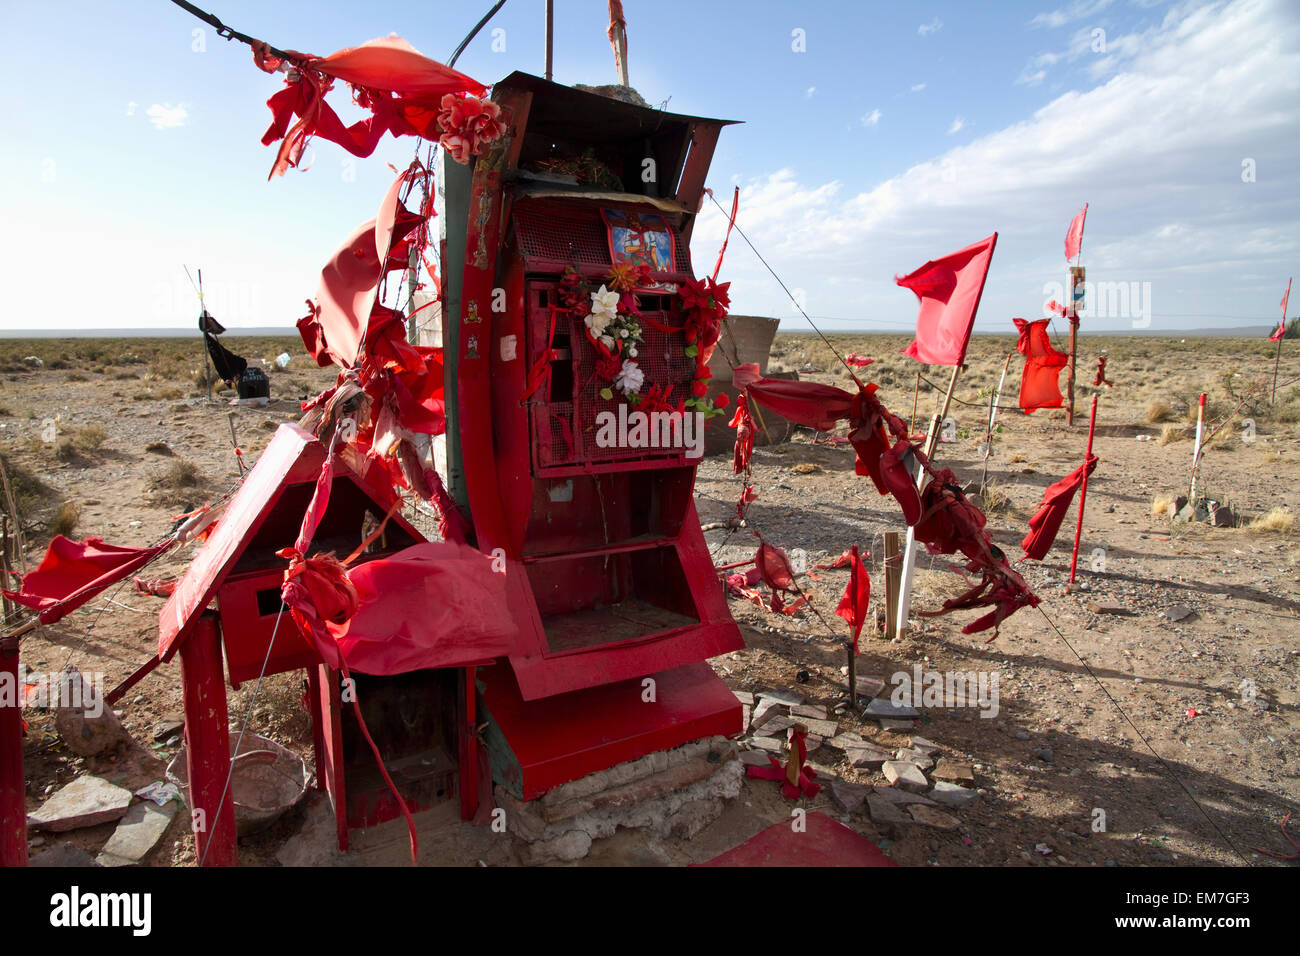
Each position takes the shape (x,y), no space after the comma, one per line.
(1039,382)
(402,89)
(949,291)
(731,221)
(1074,235)
(743,423)
(1280,331)
(944,521)
(436,604)
(1046,522)
(857,597)
(858,361)
(797,778)
(72,572)
(1101,378)
(745,373)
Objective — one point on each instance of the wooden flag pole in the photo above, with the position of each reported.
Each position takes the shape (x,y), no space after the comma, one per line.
(1074,338)
(1196,452)
(1276,359)
(916,394)
(909,553)
(1083,490)
(994,401)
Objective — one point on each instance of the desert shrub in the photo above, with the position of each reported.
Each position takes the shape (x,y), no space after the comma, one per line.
(1275,520)
(76,377)
(180,474)
(66,450)
(1161,504)
(1159,411)
(91,437)
(65,521)
(1174,432)
(158,448)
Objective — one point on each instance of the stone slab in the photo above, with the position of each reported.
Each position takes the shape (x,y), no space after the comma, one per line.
(86,802)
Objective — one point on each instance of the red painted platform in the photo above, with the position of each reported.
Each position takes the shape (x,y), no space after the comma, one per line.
(824,842)
(537,745)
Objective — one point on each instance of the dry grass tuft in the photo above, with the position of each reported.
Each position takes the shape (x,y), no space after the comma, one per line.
(91,437)
(181,474)
(1276,520)
(1162,504)
(65,521)
(1174,432)
(1159,411)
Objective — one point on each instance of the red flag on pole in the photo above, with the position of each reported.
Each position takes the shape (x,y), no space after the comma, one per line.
(1074,236)
(949,290)
(1044,525)
(1040,381)
(1281,329)
(857,597)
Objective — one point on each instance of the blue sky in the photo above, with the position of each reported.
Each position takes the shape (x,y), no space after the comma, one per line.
(900,133)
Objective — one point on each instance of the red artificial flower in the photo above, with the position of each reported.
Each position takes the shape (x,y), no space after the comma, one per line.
(720,400)
(608,368)
(700,388)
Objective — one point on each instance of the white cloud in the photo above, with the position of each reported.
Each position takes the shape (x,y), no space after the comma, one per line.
(957,125)
(166,116)
(1156,149)
(1076,10)
(934,26)
(811,91)
(918,87)
(872,118)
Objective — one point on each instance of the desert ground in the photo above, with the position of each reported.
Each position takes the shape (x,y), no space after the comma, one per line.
(113,437)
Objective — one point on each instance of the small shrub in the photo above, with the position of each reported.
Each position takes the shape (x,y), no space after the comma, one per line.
(181,474)
(66,450)
(76,377)
(1159,411)
(158,448)
(1174,432)
(1275,520)
(65,522)
(1161,504)
(91,437)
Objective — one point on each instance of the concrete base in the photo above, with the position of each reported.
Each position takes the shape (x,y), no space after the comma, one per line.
(675,793)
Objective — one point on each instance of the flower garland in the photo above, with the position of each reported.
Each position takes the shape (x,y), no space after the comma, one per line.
(468,125)
(614,326)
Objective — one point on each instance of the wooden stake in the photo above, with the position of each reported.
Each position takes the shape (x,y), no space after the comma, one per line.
(893,576)
(909,552)
(1196,452)
(14,517)
(1276,359)
(994,401)
(916,394)
(1083,491)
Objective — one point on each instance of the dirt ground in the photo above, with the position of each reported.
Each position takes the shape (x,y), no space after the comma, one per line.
(1214,693)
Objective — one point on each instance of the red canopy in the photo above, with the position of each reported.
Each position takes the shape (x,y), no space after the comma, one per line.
(949,290)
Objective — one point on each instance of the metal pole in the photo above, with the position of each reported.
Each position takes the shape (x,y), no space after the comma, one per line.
(1083,491)
(853,651)
(994,401)
(550,36)
(1196,452)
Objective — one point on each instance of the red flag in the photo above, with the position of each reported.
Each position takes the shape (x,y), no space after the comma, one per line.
(949,290)
(72,572)
(1281,329)
(735,207)
(1056,502)
(1074,235)
(1039,382)
(857,597)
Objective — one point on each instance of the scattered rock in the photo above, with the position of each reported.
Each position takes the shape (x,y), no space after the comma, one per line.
(787,698)
(954,772)
(814,711)
(819,728)
(845,740)
(847,796)
(63,855)
(137,835)
(915,757)
(931,817)
(1044,754)
(885,813)
(927,747)
(169,726)
(755,758)
(91,728)
(866,686)
(868,755)
(1178,612)
(896,726)
(905,776)
(85,802)
(744,696)
(888,710)
(770,744)
(1106,607)
(764,711)
(902,797)
(953,796)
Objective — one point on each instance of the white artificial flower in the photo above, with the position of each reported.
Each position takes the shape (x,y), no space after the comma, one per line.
(605,302)
(607,341)
(632,352)
(630,378)
(597,322)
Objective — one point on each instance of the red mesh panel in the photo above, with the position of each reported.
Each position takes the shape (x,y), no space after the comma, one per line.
(564,425)
(555,235)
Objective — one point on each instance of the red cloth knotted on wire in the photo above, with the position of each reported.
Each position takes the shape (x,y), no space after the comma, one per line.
(1039,382)
(73,572)
(1101,378)
(743,423)
(1046,522)
(797,778)
(857,597)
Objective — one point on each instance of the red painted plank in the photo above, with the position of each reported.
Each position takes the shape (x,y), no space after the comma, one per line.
(13,787)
